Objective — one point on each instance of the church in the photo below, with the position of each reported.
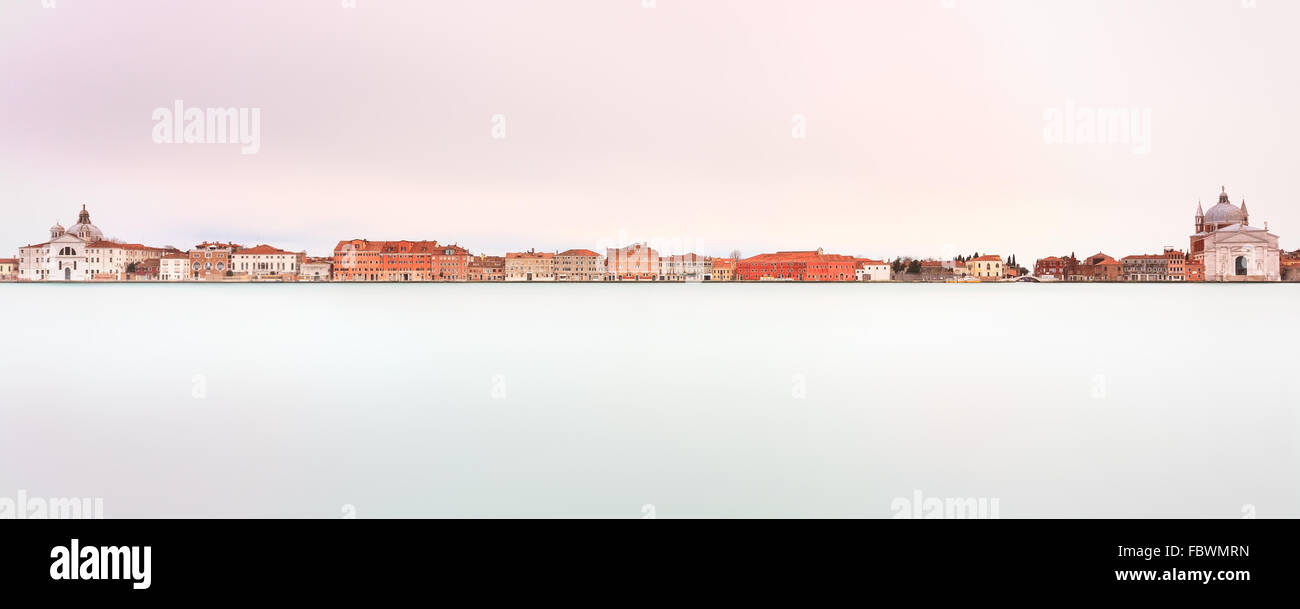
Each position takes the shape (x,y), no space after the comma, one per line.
(1230,248)
(80,253)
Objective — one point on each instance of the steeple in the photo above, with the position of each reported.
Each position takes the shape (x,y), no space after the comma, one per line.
(84,217)
(1199,212)
(1245,216)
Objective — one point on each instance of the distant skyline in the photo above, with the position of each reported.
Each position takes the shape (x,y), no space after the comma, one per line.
(868,128)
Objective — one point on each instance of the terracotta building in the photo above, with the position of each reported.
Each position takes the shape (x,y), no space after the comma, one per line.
(8,269)
(363,260)
(636,262)
(211,261)
(579,265)
(814,265)
(487,268)
(1052,266)
(1097,267)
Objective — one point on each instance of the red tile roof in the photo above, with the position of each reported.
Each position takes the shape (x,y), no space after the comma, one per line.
(265,249)
(578,253)
(988,258)
(799,256)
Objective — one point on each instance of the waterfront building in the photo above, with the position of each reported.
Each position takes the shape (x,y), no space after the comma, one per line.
(934,270)
(1230,248)
(487,268)
(1291,266)
(813,265)
(579,265)
(316,269)
(724,269)
(1145,267)
(636,262)
(8,269)
(1097,267)
(80,253)
(866,269)
(211,260)
(174,267)
(987,267)
(1054,267)
(960,269)
(364,260)
(530,266)
(266,262)
(686,267)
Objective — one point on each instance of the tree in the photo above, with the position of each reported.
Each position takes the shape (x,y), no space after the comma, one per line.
(914,267)
(130,268)
(735,255)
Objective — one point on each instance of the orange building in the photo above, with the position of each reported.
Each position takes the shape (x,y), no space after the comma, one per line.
(8,269)
(1052,266)
(1176,265)
(1097,267)
(636,262)
(798,266)
(1290,265)
(487,268)
(211,261)
(363,260)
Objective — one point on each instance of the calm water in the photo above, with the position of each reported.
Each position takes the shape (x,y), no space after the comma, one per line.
(701,400)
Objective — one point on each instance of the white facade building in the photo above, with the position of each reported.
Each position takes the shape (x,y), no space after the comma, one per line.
(872,270)
(264,261)
(174,267)
(1230,248)
(686,267)
(80,253)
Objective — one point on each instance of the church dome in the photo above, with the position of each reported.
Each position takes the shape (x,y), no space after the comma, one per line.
(1224,212)
(57,228)
(84,229)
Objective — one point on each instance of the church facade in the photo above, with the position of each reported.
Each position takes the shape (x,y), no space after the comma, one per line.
(1230,248)
(80,253)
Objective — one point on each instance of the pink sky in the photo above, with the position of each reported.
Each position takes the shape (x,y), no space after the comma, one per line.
(673,124)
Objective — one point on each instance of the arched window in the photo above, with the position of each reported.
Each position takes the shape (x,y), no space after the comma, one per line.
(67,251)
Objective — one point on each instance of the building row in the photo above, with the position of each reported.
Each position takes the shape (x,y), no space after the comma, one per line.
(1224,247)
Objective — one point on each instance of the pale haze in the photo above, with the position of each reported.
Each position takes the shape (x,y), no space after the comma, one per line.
(924,124)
